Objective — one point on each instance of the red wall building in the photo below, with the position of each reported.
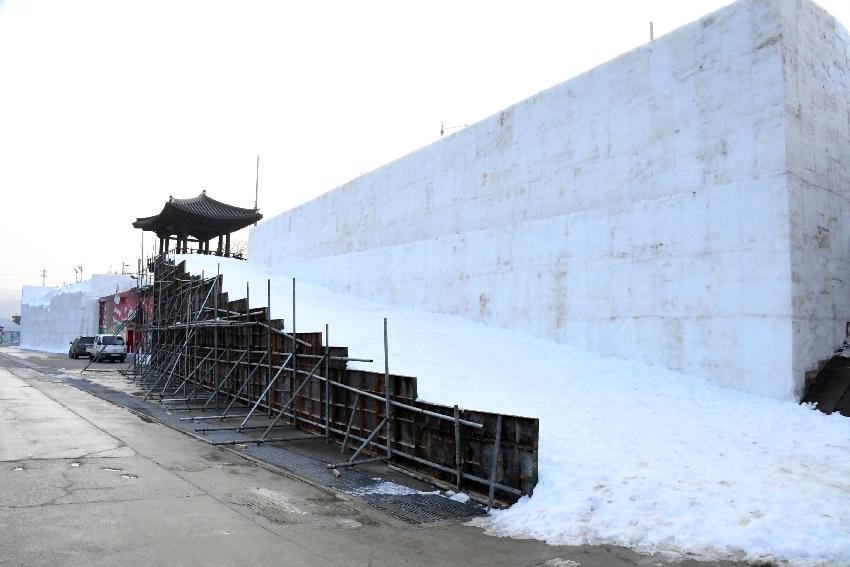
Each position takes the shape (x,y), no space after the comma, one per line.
(118,314)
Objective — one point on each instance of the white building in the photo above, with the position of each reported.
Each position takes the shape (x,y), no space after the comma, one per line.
(686,204)
(52,317)
(10,332)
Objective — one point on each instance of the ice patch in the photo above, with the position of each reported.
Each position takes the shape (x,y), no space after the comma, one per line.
(385,487)
(460,497)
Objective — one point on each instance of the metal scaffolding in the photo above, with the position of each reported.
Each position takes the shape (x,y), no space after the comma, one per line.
(235,370)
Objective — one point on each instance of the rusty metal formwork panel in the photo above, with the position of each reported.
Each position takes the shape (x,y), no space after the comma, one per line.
(212,352)
(516,455)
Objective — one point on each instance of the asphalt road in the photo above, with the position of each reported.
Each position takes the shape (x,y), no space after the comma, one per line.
(84,482)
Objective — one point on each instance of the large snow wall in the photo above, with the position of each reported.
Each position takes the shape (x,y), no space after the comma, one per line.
(51,317)
(685,204)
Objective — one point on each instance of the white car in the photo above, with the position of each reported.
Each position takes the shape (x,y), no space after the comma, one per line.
(109,347)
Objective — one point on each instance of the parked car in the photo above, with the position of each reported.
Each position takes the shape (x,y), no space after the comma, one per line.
(81,346)
(109,347)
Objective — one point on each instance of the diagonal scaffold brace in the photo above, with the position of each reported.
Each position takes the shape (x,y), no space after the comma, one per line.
(386,422)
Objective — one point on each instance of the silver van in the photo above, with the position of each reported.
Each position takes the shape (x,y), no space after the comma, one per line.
(109,347)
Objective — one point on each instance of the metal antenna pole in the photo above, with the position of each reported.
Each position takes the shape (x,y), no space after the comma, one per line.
(294,356)
(388,404)
(257,185)
(328,386)
(248,338)
(216,371)
(269,344)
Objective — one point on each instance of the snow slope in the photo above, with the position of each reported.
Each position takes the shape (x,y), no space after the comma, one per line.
(630,454)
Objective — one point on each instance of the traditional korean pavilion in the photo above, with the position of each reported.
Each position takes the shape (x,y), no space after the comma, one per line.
(198,220)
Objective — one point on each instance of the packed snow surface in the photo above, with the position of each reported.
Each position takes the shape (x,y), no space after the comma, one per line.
(95,287)
(630,454)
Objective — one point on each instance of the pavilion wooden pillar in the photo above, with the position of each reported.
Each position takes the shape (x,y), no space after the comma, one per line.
(218,250)
(227,246)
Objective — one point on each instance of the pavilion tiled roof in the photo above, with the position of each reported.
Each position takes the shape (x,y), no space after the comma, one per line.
(201,217)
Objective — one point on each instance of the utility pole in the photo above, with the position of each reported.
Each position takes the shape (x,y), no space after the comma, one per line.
(43,277)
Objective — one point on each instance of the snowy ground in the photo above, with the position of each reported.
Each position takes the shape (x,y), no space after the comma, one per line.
(630,454)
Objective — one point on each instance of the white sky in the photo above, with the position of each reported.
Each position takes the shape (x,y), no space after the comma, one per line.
(108,107)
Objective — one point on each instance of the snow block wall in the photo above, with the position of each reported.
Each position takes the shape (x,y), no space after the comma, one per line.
(817,137)
(685,204)
(52,317)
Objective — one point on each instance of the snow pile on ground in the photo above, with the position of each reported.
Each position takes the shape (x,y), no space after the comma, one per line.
(630,454)
(51,317)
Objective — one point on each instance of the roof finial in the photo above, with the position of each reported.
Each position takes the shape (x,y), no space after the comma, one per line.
(170,198)
(204,192)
